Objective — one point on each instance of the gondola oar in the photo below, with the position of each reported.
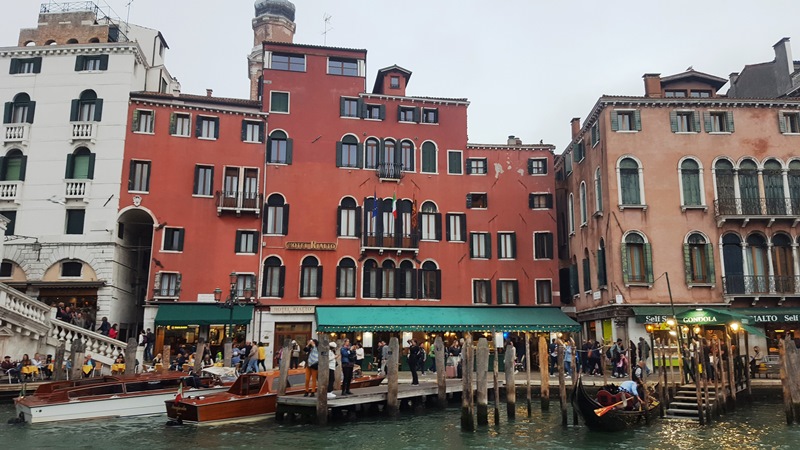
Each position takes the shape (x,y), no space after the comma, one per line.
(602,411)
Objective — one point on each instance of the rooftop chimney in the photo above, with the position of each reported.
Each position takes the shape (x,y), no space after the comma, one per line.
(576,126)
(784,65)
(512,140)
(652,85)
(209,92)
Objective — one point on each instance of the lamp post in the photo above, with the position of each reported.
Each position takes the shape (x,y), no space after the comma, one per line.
(230,303)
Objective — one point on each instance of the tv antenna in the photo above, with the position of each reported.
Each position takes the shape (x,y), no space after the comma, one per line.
(328,28)
(128,18)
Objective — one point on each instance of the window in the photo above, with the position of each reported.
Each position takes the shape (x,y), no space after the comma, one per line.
(684,121)
(371,280)
(429,158)
(480,245)
(430,222)
(571,213)
(507,292)
(341,66)
(292,63)
(582,199)
(637,262)
(407,114)
(245,285)
(80,165)
(783,263)
(407,156)
(371,154)
(789,122)
(595,131)
(578,151)
(87,108)
(276,220)
(348,152)
(456,227)
(690,183)
(477,200)
(346,279)
(348,223)
(280,148)
(675,93)
(252,131)
(139,176)
(406,280)
(143,121)
(6,269)
(169,285)
(537,166)
(26,65)
(482,292)
(700,94)
(180,124)
(207,127)
(279,102)
(85,63)
(587,275)
(430,115)
(388,279)
(540,201)
(719,122)
(602,281)
(203,180)
(375,112)
(476,166)
(273,278)
(12,221)
(542,245)
(71,269)
(630,186)
(173,239)
(394,82)
(506,245)
(349,107)
(310,278)
(75,219)
(698,256)
(13,166)
(598,191)
(544,292)
(454,162)
(626,120)
(21,110)
(246,241)
(431,281)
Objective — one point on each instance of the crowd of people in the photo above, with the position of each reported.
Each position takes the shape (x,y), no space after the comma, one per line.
(85,320)
(27,368)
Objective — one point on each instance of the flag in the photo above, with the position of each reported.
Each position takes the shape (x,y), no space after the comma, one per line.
(394,205)
(414,214)
(375,205)
(179,395)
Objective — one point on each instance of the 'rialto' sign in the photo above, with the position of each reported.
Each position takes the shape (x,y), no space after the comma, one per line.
(319,246)
(775,318)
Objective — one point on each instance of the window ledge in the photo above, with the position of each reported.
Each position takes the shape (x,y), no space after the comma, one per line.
(252,142)
(151,133)
(479,258)
(181,135)
(350,117)
(429,123)
(23,74)
(349,167)
(373,120)
(345,298)
(624,207)
(702,285)
(584,225)
(352,238)
(138,192)
(273,235)
(720,132)
(279,112)
(170,251)
(626,131)
(696,207)
(246,253)
(407,121)
(639,284)
(483,174)
(572,233)
(202,196)
(602,287)
(277,164)
(789,133)
(206,138)
(686,132)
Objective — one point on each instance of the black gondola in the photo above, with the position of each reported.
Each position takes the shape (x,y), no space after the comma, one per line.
(614,420)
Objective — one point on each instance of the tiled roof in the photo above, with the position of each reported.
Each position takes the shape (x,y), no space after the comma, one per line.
(291,44)
(198,99)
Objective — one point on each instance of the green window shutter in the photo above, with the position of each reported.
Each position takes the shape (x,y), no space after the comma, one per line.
(625,264)
(261,132)
(98,110)
(3,168)
(103,62)
(637,118)
(707,120)
(198,127)
(488,240)
(499,288)
(383,112)
(289,145)
(22,167)
(399,112)
(696,118)
(135,124)
(363,109)
(360,108)
(216,128)
(338,154)
(8,112)
(37,64)
(91,166)
(70,166)
(673,120)
(781,122)
(79,63)
(514,245)
(648,262)
(381,155)
(73,112)
(687,263)
(173,124)
(471,245)
(31,111)
(360,156)
(341,106)
(244,130)
(237,242)
(712,277)
(14,68)
(181,234)
(729,118)
(416,115)
(614,121)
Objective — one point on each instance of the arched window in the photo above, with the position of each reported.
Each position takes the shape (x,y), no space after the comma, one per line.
(273,278)
(406,280)
(80,164)
(388,221)
(637,259)
(310,278)
(87,108)
(698,255)
(72,41)
(794,186)
(602,280)
(431,285)
(280,148)
(783,264)
(773,188)
(348,153)
(598,190)
(583,204)
(389,154)
(407,156)
(748,187)
(690,183)
(431,222)
(630,183)
(20,110)
(346,279)
(725,178)
(733,264)
(371,154)
(428,157)
(388,279)
(348,224)
(571,213)
(757,268)
(587,276)
(371,280)
(12,166)
(276,219)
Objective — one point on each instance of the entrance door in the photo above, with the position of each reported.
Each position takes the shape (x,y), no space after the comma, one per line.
(299,331)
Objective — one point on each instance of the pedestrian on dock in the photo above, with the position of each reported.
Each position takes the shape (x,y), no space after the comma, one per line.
(413,360)
(360,355)
(348,356)
(312,367)
(384,357)
(553,358)
(294,362)
(755,361)
(262,356)
(148,348)
(432,359)
(568,359)
(331,369)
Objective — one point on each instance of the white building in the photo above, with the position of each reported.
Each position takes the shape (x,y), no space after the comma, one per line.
(66,88)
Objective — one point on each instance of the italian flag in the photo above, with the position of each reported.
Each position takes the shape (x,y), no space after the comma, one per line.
(179,395)
(394,205)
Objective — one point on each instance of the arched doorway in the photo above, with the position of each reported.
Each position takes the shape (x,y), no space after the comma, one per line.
(134,244)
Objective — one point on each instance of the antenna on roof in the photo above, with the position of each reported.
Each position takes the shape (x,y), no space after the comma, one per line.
(327,19)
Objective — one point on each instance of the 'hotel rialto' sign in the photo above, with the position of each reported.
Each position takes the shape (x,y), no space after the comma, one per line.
(319,246)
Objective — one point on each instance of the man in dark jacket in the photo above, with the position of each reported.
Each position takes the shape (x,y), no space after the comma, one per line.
(413,360)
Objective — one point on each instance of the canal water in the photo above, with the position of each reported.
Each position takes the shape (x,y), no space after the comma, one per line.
(757,426)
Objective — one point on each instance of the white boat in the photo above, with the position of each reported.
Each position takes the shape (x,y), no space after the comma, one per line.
(111,396)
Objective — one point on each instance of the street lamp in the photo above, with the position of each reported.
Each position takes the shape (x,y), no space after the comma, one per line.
(233,300)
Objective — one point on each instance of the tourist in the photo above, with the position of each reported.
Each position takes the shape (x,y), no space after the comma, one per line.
(552,350)
(568,359)
(644,349)
(312,367)
(360,355)
(252,359)
(640,372)
(236,359)
(432,358)
(348,361)
(9,368)
(586,349)
(207,361)
(88,366)
(190,361)
(112,332)
(421,356)
(78,320)
(617,351)
(755,361)
(178,362)
(384,357)
(104,327)
(454,359)
(61,313)
(331,368)
(294,362)
(413,360)
(148,348)
(689,363)
(142,338)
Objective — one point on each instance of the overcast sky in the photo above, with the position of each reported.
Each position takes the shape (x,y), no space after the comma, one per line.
(527,66)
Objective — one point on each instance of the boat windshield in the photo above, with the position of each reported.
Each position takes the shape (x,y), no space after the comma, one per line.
(248,384)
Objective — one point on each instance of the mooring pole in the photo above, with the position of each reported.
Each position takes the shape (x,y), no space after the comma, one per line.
(322,379)
(392,401)
(528,371)
(544,373)
(511,385)
(562,383)
(441,373)
(467,363)
(482,381)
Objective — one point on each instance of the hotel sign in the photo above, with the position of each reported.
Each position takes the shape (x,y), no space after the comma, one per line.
(291,309)
(775,318)
(319,246)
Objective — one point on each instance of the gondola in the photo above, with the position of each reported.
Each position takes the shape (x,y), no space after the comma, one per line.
(613,420)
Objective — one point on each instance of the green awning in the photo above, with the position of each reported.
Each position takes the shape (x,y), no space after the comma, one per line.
(442,318)
(777,314)
(202,314)
(655,314)
(712,316)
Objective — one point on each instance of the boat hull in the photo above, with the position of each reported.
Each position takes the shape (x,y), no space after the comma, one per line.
(614,420)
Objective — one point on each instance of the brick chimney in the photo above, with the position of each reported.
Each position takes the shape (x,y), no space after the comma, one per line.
(784,65)
(576,126)
(652,85)
(209,92)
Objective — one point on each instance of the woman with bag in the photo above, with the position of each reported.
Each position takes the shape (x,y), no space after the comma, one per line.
(312,367)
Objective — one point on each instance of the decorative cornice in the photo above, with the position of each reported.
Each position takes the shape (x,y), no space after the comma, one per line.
(85,49)
(541,147)
(428,100)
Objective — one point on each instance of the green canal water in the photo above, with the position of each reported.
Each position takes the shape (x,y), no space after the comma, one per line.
(756,426)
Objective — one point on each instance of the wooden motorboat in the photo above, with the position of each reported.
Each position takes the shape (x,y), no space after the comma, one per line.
(253,395)
(616,419)
(110,396)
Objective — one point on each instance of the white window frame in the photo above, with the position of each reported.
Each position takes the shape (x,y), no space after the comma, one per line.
(642,199)
(784,115)
(583,205)
(571,214)
(406,109)
(288,102)
(460,162)
(255,234)
(187,120)
(504,245)
(703,205)
(435,158)
(164,239)
(502,280)
(264,276)
(206,128)
(598,193)
(149,165)
(632,113)
(205,166)
(724,113)
(543,208)
(352,219)
(480,242)
(250,124)
(545,167)
(536,290)
(455,230)
(693,113)
(355,284)
(488,293)
(161,285)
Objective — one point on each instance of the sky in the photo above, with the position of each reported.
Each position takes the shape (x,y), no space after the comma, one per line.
(527,66)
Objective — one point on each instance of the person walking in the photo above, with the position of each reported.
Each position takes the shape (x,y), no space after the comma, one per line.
(413,355)
(294,361)
(432,358)
(644,350)
(568,359)
(312,367)
(552,350)
(331,369)
(348,356)
(148,348)
(262,356)
(384,358)
(359,355)
(104,327)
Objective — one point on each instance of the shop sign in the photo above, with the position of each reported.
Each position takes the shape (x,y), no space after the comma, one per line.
(700,319)
(655,319)
(291,309)
(318,246)
(775,318)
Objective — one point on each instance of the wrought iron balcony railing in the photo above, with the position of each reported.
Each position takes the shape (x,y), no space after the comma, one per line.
(390,241)
(390,171)
(757,207)
(761,285)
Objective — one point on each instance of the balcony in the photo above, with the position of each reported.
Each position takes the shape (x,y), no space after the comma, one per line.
(10,191)
(390,171)
(239,202)
(390,242)
(84,131)
(77,189)
(16,133)
(746,209)
(761,285)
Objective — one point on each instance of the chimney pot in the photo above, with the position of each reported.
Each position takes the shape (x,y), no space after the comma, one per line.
(652,85)
(209,92)
(512,140)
